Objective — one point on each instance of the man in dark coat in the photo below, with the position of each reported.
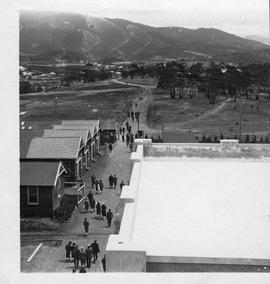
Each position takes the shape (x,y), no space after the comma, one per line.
(93,180)
(103,260)
(82,256)
(98,209)
(86,225)
(121,186)
(88,253)
(92,204)
(111,181)
(103,211)
(82,270)
(109,217)
(72,250)
(110,147)
(86,205)
(68,248)
(101,185)
(90,195)
(97,185)
(114,181)
(96,250)
(76,256)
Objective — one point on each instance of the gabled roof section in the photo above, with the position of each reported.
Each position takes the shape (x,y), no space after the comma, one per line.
(108,125)
(71,127)
(26,137)
(84,133)
(54,148)
(93,125)
(38,173)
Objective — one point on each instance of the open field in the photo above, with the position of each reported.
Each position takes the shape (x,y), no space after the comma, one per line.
(197,116)
(107,103)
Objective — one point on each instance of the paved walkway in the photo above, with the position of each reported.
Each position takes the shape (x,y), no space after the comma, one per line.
(51,257)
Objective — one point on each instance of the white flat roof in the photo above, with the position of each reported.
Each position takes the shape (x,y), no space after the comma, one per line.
(218,209)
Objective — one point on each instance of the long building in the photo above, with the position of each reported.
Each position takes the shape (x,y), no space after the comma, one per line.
(194,207)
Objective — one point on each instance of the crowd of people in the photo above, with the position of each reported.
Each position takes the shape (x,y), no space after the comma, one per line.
(82,257)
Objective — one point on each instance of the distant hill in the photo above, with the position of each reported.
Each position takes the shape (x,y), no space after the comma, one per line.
(263,39)
(52,37)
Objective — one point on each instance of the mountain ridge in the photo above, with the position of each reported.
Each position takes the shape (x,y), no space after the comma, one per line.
(56,36)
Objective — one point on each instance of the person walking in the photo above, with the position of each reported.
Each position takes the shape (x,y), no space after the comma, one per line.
(95,249)
(127,139)
(123,138)
(68,249)
(88,253)
(103,261)
(121,186)
(110,147)
(82,256)
(93,180)
(82,269)
(101,186)
(92,204)
(97,186)
(103,211)
(109,217)
(86,205)
(114,181)
(90,195)
(76,256)
(86,225)
(111,181)
(98,210)
(72,250)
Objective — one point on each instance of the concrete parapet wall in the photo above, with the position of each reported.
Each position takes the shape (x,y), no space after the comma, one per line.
(126,261)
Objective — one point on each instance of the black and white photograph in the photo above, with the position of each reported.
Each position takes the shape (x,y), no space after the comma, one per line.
(142,139)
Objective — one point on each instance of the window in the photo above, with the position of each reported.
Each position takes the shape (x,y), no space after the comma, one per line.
(32,195)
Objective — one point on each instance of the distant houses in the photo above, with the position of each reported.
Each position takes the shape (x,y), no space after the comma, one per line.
(53,163)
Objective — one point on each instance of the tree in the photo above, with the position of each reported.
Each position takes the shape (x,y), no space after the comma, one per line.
(212,83)
(171,76)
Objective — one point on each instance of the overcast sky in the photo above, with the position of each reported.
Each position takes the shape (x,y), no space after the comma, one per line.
(242,17)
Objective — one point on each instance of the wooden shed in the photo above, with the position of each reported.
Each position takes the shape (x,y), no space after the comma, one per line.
(41,187)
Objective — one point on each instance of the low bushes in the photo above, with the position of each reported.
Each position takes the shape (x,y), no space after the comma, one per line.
(64,211)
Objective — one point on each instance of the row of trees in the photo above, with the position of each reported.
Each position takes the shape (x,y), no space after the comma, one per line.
(243,139)
(212,81)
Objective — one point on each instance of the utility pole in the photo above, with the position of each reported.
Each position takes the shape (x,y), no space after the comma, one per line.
(55,103)
(240,122)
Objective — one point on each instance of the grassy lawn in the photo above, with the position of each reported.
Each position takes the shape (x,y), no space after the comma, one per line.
(79,104)
(198,116)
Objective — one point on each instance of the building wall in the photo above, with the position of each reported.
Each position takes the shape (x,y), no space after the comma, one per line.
(45,206)
(125,261)
(200,267)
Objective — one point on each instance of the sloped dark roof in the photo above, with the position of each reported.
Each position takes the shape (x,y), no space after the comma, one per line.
(54,148)
(66,133)
(26,137)
(38,173)
(108,124)
(93,125)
